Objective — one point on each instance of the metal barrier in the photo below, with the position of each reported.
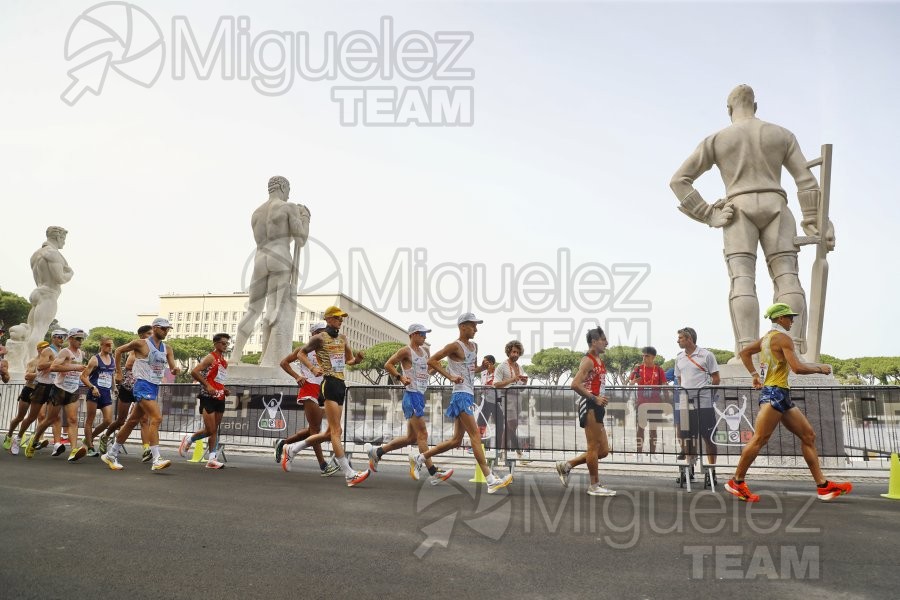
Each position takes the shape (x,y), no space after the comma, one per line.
(855,426)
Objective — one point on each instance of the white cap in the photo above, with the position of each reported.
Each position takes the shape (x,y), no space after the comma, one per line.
(75,331)
(160,322)
(59,333)
(468,318)
(313,327)
(417,328)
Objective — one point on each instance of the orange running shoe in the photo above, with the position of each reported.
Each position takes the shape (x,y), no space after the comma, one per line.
(832,490)
(741,491)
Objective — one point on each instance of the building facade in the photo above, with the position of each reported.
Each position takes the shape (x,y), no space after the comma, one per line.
(204,315)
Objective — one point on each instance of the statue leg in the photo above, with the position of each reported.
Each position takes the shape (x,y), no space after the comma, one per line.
(777,240)
(278,316)
(255,305)
(784,270)
(742,299)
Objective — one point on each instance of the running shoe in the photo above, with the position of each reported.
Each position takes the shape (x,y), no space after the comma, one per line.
(160,463)
(91,453)
(104,440)
(286,461)
(185,445)
(833,490)
(331,468)
(279,448)
(58,449)
(440,476)
(7,442)
(214,464)
(14,446)
(29,451)
(562,470)
(77,453)
(112,462)
(599,490)
(415,466)
(373,459)
(41,444)
(499,483)
(741,491)
(147,456)
(357,478)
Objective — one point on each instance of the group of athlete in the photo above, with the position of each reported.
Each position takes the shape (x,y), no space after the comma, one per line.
(54,376)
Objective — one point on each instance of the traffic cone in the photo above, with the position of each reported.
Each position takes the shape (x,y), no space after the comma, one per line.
(894,481)
(479,476)
(199,450)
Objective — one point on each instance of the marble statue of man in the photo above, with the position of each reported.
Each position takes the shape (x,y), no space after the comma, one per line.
(750,154)
(273,285)
(50,271)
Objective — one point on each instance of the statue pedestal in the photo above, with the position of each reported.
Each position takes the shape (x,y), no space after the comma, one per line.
(737,375)
(244,374)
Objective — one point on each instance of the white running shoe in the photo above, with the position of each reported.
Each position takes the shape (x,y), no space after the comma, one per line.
(160,463)
(599,490)
(499,483)
(112,462)
(562,470)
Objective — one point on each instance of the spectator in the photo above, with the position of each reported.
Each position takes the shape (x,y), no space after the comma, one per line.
(649,377)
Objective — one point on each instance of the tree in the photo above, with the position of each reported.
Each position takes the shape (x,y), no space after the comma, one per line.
(14,309)
(251,359)
(552,364)
(119,337)
(722,356)
(620,360)
(372,365)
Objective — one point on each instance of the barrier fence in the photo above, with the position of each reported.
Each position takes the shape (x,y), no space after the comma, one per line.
(856,427)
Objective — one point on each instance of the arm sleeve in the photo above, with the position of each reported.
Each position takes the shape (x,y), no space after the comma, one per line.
(711,365)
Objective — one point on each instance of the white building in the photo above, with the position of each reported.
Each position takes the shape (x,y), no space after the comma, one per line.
(204,315)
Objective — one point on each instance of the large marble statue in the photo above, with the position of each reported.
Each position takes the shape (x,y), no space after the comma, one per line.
(750,154)
(273,285)
(50,271)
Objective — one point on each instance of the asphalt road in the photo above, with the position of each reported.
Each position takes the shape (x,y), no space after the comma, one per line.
(251,531)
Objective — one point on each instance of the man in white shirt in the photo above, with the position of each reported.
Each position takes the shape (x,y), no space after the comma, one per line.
(696,368)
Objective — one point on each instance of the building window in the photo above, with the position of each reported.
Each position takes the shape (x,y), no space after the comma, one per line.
(196,327)
(234,316)
(233,328)
(196,316)
(206,328)
(179,316)
(206,316)
(171,316)
(216,315)
(252,339)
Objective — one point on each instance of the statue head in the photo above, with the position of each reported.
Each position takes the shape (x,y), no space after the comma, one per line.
(18,332)
(279,185)
(57,234)
(743,100)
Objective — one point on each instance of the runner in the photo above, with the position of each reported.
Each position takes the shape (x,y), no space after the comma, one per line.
(309,396)
(776,351)
(413,360)
(68,366)
(98,378)
(333,353)
(11,441)
(590,384)
(43,384)
(210,373)
(462,356)
(151,357)
(126,401)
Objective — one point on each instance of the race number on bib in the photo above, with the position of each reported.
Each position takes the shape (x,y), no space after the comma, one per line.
(104,380)
(337,362)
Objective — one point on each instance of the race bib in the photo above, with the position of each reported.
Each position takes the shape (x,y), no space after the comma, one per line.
(337,362)
(71,381)
(104,380)
(221,374)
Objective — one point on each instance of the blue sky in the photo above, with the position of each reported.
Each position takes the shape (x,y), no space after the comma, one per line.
(582,113)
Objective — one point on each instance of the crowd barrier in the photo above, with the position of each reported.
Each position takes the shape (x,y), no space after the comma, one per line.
(856,427)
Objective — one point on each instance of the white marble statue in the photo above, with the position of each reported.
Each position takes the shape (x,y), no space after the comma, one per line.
(50,271)
(273,285)
(17,353)
(750,155)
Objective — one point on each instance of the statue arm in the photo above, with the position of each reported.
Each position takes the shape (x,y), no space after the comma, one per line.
(59,269)
(299,223)
(691,203)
